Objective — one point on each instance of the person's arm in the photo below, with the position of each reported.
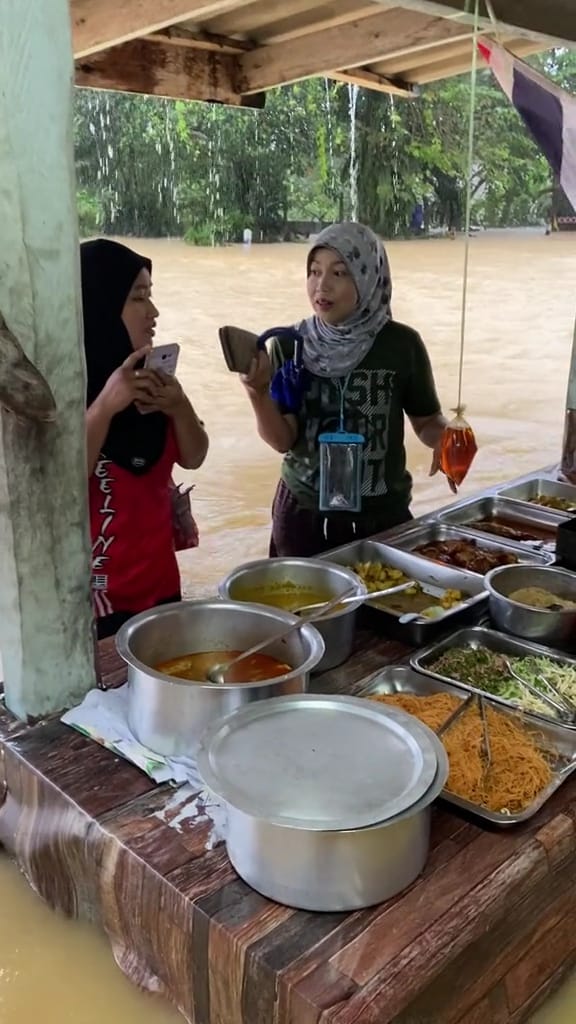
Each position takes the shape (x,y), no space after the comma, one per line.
(421,396)
(191,437)
(429,429)
(277,429)
(124,386)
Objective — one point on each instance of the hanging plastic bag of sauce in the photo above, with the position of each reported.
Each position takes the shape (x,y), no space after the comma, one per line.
(458,448)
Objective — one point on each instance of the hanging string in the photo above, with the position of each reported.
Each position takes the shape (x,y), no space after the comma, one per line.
(342,388)
(458,447)
(495,24)
(470,169)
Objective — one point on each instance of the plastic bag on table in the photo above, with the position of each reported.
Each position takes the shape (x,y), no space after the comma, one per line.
(458,449)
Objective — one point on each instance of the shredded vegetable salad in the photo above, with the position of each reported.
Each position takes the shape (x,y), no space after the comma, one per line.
(487,671)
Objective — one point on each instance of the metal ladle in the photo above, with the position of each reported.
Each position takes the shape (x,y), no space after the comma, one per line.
(360,598)
(217,672)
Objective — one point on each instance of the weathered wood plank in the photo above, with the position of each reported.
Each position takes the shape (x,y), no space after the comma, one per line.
(154,69)
(45,612)
(554,22)
(99,24)
(358,43)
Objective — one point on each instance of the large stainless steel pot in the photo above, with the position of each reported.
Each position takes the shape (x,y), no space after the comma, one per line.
(338,628)
(551,628)
(169,715)
(302,781)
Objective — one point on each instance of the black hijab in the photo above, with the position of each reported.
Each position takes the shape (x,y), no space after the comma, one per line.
(134,442)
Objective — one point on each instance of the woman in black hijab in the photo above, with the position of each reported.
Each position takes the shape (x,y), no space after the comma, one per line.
(139,423)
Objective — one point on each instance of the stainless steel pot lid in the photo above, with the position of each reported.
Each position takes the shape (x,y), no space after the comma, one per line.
(319,762)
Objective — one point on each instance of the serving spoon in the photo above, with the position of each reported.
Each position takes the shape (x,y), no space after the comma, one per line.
(217,673)
(360,598)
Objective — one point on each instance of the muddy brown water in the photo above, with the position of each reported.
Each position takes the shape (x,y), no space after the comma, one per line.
(522,303)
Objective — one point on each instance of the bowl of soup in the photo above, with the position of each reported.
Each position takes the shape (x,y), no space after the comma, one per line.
(289,584)
(170,651)
(534,602)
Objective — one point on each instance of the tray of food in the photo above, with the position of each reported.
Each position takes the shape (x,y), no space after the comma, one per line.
(522,524)
(462,549)
(528,759)
(443,597)
(478,659)
(543,492)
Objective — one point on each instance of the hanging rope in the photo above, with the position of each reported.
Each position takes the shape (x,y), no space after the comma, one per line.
(470,168)
(458,447)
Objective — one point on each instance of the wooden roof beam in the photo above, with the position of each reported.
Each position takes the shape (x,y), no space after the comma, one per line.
(420,58)
(452,66)
(200,41)
(554,22)
(366,78)
(460,53)
(99,24)
(170,71)
(322,18)
(356,44)
(255,17)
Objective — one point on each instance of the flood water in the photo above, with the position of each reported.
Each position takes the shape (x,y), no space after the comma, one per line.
(522,303)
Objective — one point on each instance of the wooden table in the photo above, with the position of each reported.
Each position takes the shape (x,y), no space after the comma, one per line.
(482,937)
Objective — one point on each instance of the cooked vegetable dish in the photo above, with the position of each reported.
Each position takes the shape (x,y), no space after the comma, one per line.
(550,501)
(427,602)
(486,670)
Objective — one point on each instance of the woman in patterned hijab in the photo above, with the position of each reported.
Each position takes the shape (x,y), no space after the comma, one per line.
(333,346)
(367,374)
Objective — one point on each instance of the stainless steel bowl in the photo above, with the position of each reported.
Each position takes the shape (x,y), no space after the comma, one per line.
(169,715)
(552,628)
(337,630)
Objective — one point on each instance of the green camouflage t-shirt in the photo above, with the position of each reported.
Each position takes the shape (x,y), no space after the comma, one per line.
(394,378)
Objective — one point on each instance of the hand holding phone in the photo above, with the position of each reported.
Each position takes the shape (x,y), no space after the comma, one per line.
(164,358)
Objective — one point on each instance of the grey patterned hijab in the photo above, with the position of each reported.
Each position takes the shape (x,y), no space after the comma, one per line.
(335,350)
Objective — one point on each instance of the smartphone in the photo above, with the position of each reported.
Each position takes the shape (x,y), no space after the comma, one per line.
(163,357)
(239,347)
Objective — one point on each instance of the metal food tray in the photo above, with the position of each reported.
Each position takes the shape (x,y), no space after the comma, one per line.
(498,643)
(537,487)
(402,679)
(409,538)
(469,512)
(418,632)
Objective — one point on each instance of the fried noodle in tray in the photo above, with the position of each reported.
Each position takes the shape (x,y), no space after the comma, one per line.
(522,765)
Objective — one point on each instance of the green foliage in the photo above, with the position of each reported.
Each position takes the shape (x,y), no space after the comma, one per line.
(89,213)
(156,167)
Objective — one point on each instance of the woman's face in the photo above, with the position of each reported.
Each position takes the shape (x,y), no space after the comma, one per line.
(140,314)
(331,288)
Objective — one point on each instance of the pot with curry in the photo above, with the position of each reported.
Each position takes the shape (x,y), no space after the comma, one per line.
(170,650)
(292,583)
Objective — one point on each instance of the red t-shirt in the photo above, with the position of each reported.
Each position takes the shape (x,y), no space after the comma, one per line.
(133,559)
